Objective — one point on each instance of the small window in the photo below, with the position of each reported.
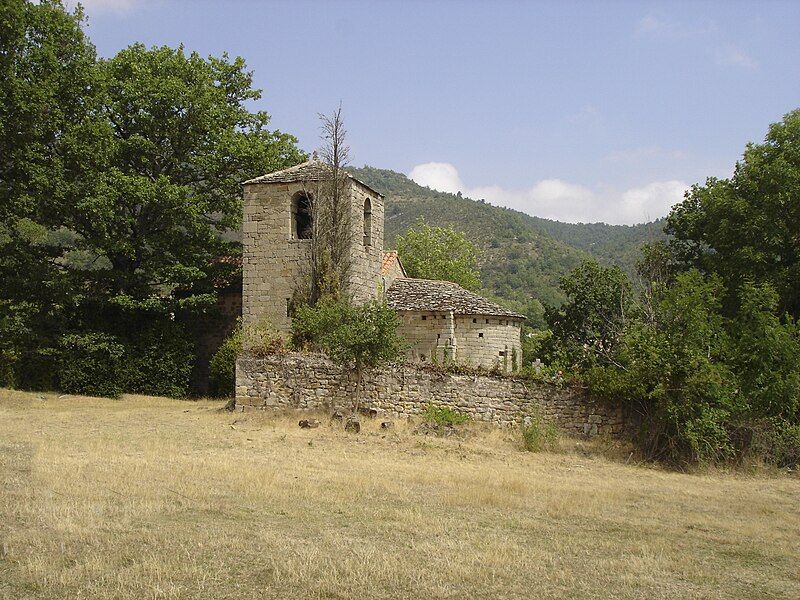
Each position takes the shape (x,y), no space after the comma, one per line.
(502,352)
(302,223)
(438,336)
(424,318)
(480,335)
(487,321)
(367,222)
(474,320)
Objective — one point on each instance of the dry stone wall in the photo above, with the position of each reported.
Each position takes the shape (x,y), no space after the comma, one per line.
(308,381)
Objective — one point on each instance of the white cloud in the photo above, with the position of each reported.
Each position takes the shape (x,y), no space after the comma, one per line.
(562,200)
(437,176)
(98,6)
(731,56)
(650,202)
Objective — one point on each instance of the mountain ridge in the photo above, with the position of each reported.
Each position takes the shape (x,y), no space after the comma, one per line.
(522,256)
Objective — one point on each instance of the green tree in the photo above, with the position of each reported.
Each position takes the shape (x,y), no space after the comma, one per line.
(746,228)
(431,252)
(673,371)
(589,324)
(119,181)
(355,337)
(176,141)
(47,95)
(765,355)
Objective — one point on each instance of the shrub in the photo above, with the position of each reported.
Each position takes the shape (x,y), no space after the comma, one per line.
(222,368)
(259,340)
(444,416)
(159,362)
(538,435)
(90,364)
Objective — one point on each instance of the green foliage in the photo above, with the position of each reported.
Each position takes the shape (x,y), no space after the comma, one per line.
(745,228)
(90,364)
(353,336)
(439,253)
(538,435)
(258,340)
(521,256)
(590,323)
(674,371)
(223,364)
(119,183)
(444,416)
(765,354)
(159,362)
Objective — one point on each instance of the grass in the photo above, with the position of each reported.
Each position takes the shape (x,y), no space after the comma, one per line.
(155,498)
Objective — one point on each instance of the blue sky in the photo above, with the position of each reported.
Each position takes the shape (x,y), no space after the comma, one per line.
(577,111)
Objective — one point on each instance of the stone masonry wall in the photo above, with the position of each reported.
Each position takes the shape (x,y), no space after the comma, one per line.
(305,381)
(274,263)
(365,270)
(500,335)
(479,341)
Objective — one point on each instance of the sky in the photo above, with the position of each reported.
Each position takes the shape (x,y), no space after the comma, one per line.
(576,111)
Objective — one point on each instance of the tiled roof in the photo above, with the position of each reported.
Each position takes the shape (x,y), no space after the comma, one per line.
(428,295)
(312,170)
(388,259)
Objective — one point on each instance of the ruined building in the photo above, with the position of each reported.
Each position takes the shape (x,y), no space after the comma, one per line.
(440,320)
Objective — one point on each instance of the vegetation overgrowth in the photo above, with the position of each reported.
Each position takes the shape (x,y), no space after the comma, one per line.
(119,187)
(704,343)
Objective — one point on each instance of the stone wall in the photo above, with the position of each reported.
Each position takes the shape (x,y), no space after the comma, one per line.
(313,382)
(364,282)
(488,341)
(274,263)
(480,341)
(272,260)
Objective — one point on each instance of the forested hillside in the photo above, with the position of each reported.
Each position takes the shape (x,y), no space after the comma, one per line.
(522,256)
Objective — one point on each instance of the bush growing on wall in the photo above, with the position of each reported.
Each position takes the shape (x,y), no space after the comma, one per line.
(258,340)
(356,337)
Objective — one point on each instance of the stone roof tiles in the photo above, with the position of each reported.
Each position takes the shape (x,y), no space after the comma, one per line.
(428,295)
(311,170)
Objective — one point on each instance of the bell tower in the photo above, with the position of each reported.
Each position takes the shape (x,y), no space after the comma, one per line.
(277,241)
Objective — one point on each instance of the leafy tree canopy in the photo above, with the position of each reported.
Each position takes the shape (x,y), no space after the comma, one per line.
(119,179)
(431,252)
(746,228)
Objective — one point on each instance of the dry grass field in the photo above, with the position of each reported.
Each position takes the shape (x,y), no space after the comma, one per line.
(157,498)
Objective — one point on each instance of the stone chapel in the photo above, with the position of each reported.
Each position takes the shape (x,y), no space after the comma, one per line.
(440,320)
